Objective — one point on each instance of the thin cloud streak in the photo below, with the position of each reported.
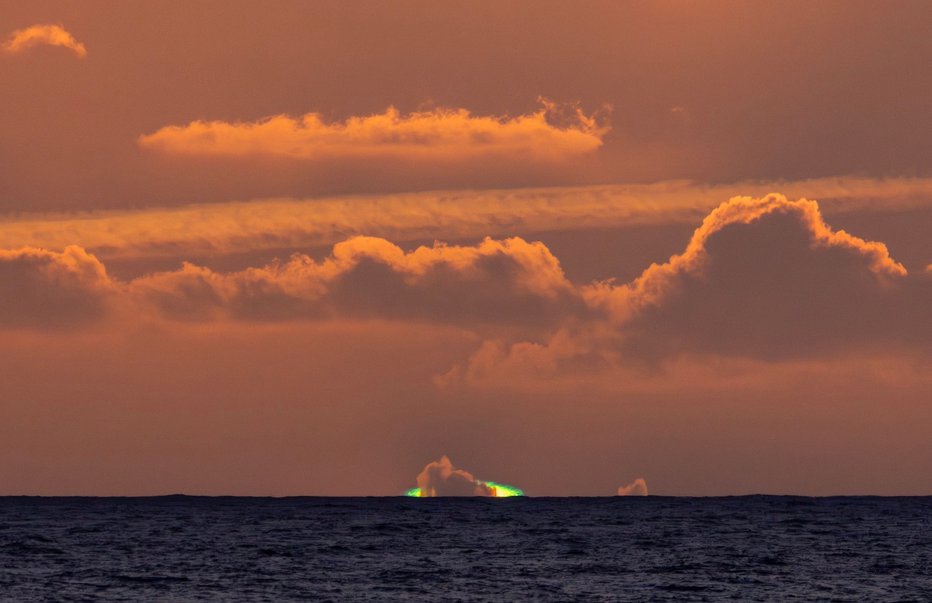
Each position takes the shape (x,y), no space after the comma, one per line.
(22,40)
(217,229)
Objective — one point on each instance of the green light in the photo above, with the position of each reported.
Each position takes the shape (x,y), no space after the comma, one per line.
(504,490)
(498,490)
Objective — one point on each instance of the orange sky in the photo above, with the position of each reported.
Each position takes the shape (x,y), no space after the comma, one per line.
(310,248)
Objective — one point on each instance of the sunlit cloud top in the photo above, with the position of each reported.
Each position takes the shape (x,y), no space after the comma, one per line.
(554,132)
(22,40)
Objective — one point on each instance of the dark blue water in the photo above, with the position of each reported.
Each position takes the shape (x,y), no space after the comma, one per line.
(382,549)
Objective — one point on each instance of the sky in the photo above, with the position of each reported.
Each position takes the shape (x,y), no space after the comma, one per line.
(351,248)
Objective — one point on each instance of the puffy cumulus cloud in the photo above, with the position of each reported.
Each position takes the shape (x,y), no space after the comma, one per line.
(22,40)
(762,278)
(636,488)
(509,282)
(46,289)
(513,285)
(551,134)
(768,278)
(441,478)
(225,228)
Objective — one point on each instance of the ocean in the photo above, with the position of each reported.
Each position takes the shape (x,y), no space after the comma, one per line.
(750,548)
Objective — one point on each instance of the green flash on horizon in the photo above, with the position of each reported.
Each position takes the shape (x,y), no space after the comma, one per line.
(498,490)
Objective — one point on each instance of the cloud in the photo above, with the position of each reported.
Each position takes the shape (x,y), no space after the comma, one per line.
(509,283)
(22,40)
(441,478)
(636,488)
(762,278)
(574,352)
(769,278)
(436,135)
(45,289)
(225,228)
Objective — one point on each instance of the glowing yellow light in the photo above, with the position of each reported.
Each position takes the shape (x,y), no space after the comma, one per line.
(498,490)
(504,490)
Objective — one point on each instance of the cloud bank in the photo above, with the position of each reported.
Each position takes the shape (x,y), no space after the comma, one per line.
(508,283)
(22,40)
(764,279)
(636,488)
(512,284)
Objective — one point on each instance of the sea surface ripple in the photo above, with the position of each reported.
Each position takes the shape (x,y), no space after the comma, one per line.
(180,548)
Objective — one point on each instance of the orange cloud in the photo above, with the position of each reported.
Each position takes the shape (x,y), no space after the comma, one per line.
(550,134)
(223,228)
(768,278)
(762,279)
(510,282)
(441,478)
(801,218)
(636,488)
(575,351)
(45,289)
(22,40)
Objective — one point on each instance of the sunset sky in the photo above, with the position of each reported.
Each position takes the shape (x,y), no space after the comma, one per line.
(281,248)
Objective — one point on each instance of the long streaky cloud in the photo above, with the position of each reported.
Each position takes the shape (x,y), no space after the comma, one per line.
(432,135)
(216,229)
(22,40)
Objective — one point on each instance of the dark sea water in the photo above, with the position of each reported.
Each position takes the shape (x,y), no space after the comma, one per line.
(756,548)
